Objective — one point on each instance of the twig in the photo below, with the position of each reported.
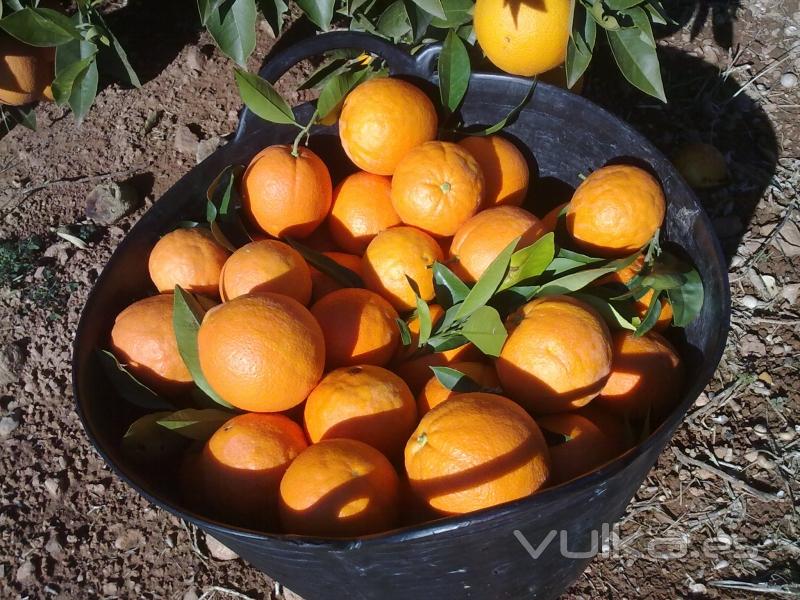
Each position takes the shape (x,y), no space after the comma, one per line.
(734,481)
(216,589)
(766,70)
(789,589)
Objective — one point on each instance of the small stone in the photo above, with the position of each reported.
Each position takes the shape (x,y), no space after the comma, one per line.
(195,58)
(219,550)
(185,140)
(720,452)
(697,588)
(786,436)
(766,378)
(750,344)
(12,361)
(128,540)
(52,487)
(190,594)
(749,301)
(751,456)
(108,202)
(207,147)
(25,572)
(702,400)
(760,429)
(723,564)
(54,549)
(791,292)
(788,81)
(788,240)
(110,589)
(290,595)
(7,425)
(764,462)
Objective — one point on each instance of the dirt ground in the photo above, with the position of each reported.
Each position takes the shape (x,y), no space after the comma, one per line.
(725,490)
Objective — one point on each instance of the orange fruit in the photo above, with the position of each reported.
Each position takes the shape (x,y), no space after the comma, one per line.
(475,451)
(434,393)
(339,488)
(641,304)
(365,403)
(359,327)
(241,466)
(550,220)
(702,165)
(381,120)
(615,211)
(143,340)
(417,371)
(523,38)
(577,445)
(266,266)
(190,258)
(483,237)
(505,170)
(436,187)
(25,71)
(362,208)
(286,195)
(322,284)
(647,375)
(261,352)
(396,255)
(557,356)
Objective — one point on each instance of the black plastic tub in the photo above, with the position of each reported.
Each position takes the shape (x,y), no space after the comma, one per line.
(475,556)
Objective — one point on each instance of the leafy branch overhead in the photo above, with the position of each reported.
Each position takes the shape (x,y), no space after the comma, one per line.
(627,27)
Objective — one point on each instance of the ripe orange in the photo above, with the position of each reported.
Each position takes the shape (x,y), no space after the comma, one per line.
(241,467)
(394,256)
(266,266)
(436,187)
(417,371)
(322,284)
(365,403)
(615,211)
(143,340)
(702,165)
(190,258)
(286,195)
(478,241)
(25,71)
(647,375)
(475,451)
(577,445)
(505,170)
(362,208)
(550,220)
(557,356)
(434,393)
(381,120)
(261,352)
(359,328)
(624,275)
(523,38)
(339,488)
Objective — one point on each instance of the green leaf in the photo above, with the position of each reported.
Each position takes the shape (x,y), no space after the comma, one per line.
(424,318)
(447,342)
(662,281)
(327,265)
(146,441)
(488,283)
(573,282)
(274,12)
(337,87)
(454,71)
(485,329)
(66,76)
(635,53)
(233,27)
(119,51)
(581,44)
(84,91)
(433,7)
(420,21)
(207,8)
(449,289)
(454,380)
(530,261)
(261,98)
(196,424)
(505,120)
(687,300)
(405,332)
(41,27)
(394,22)
(323,73)
(320,12)
(621,4)
(457,12)
(651,316)
(607,310)
(24,116)
(127,386)
(186,317)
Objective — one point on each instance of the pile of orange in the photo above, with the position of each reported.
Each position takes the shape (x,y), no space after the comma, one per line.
(343,427)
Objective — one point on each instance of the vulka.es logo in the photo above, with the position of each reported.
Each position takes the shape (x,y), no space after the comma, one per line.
(608,543)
